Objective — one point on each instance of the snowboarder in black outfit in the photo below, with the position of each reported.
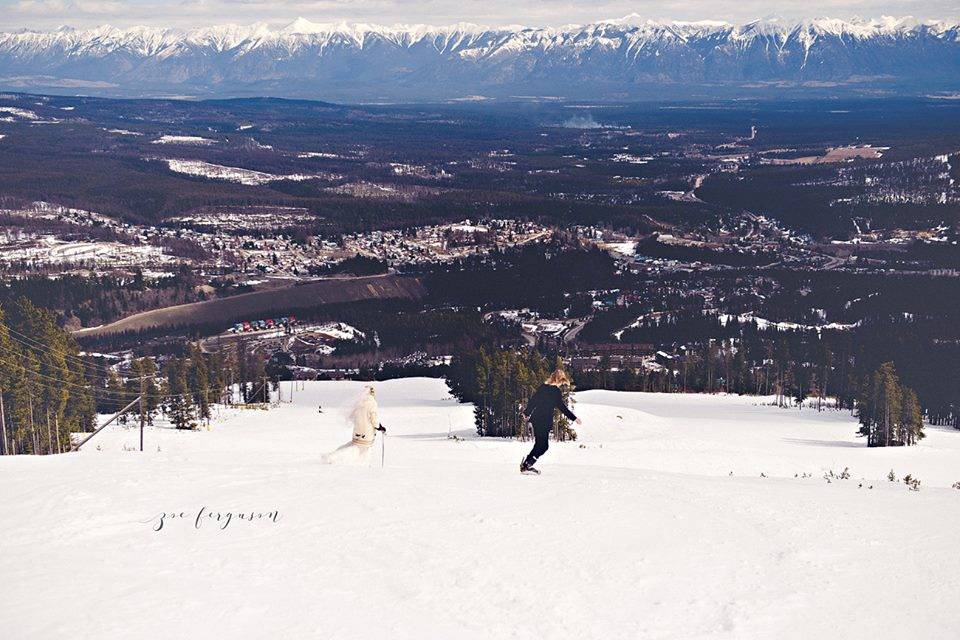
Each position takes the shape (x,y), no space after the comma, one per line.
(539,412)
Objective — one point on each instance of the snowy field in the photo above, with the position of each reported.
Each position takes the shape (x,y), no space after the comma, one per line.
(672,517)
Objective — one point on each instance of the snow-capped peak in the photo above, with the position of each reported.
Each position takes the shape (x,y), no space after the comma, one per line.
(304,26)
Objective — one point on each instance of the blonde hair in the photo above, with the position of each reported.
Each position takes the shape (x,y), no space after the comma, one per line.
(558,378)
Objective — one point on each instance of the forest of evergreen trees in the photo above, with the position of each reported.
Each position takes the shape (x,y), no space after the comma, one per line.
(185,386)
(44,393)
(99,299)
(889,412)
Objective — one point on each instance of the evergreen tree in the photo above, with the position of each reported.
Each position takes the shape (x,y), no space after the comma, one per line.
(179,402)
(198,381)
(911,417)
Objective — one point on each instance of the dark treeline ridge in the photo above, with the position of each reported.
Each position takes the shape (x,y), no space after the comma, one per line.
(537,277)
(98,299)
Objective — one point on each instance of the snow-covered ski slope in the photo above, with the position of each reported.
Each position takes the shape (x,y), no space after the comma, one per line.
(641,532)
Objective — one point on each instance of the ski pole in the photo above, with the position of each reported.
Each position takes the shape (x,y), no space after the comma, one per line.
(383,443)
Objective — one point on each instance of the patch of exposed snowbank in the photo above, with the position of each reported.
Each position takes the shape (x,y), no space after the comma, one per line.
(763,324)
(187,140)
(23,114)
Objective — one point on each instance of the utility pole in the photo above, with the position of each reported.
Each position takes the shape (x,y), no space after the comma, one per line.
(143,407)
(3,425)
(33,428)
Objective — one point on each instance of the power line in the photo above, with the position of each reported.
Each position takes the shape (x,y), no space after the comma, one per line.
(39,346)
(12,353)
(117,395)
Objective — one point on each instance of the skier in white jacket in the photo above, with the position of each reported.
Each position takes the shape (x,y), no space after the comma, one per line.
(364,419)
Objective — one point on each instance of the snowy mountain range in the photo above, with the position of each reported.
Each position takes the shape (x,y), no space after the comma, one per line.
(629,57)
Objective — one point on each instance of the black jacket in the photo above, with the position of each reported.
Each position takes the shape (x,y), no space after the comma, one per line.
(542,403)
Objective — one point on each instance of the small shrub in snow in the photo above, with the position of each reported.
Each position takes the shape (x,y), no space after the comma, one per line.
(891,476)
(913,483)
(845,474)
(956,485)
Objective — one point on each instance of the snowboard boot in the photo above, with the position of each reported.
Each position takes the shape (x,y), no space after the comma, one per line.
(526,468)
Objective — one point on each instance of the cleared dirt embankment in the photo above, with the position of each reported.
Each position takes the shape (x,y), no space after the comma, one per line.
(265,304)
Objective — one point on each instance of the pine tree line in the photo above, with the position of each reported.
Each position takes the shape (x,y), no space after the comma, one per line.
(889,412)
(741,366)
(186,386)
(834,361)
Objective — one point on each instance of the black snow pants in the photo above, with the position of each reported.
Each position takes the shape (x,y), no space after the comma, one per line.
(541,440)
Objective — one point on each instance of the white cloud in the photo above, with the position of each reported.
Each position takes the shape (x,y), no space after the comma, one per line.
(43,14)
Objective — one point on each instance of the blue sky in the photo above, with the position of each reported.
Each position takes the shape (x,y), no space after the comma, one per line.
(45,14)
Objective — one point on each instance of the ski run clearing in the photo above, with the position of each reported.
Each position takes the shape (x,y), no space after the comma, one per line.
(234,174)
(673,516)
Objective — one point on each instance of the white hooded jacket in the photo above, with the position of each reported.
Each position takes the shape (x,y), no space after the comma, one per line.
(365,419)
